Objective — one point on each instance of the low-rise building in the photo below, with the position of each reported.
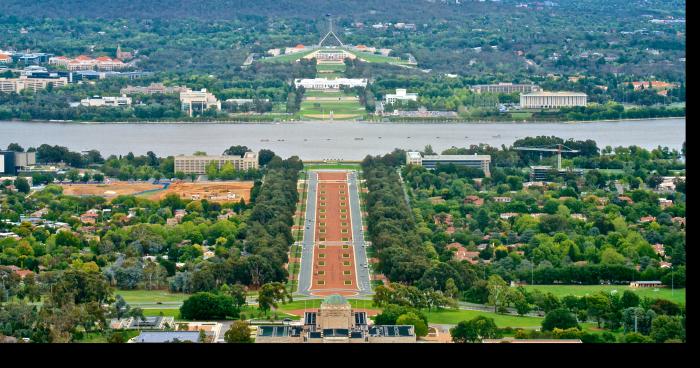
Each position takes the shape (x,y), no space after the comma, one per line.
(645,284)
(153,88)
(505,88)
(166,337)
(400,95)
(198,101)
(552,100)
(110,101)
(431,161)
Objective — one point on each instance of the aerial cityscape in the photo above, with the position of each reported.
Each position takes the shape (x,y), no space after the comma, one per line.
(293,172)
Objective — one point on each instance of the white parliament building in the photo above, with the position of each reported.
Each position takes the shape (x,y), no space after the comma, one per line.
(325,83)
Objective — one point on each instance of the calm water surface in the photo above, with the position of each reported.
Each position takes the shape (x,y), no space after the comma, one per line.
(327,140)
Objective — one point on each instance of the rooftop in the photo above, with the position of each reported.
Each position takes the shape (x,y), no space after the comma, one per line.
(558,93)
(335,299)
(457,157)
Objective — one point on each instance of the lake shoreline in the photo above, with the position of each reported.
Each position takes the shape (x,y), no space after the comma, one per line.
(271,122)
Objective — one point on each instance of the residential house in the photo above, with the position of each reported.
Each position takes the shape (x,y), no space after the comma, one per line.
(502,199)
(659,249)
(475,200)
(646,219)
(665,203)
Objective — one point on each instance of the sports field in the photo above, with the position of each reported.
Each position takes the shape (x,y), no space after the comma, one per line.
(150,296)
(676,296)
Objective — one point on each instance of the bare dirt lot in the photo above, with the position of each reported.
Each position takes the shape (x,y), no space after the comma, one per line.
(231,191)
(228,191)
(111,190)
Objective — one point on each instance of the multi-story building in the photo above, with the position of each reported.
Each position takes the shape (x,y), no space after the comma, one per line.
(34,84)
(11,162)
(400,95)
(335,322)
(550,100)
(431,161)
(97,101)
(198,101)
(505,88)
(198,164)
(153,88)
(324,83)
(83,62)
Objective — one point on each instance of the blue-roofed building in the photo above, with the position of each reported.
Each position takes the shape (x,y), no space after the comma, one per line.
(166,336)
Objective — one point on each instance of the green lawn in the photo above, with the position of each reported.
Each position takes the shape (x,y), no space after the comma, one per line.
(286,58)
(502,320)
(94,337)
(315,303)
(166,312)
(375,58)
(561,291)
(150,296)
(323,108)
(332,166)
(520,115)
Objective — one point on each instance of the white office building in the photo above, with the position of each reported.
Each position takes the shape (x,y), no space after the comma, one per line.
(198,101)
(97,101)
(400,95)
(552,100)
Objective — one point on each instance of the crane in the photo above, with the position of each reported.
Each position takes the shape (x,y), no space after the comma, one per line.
(558,150)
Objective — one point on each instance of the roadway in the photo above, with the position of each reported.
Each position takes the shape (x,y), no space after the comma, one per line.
(307,243)
(364,282)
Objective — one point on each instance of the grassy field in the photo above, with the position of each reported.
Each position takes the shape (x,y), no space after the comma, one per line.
(332,166)
(678,295)
(340,109)
(150,296)
(375,58)
(166,312)
(315,303)
(456,316)
(520,115)
(286,58)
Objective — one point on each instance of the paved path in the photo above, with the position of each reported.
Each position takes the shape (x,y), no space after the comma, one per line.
(358,238)
(306,267)
(307,243)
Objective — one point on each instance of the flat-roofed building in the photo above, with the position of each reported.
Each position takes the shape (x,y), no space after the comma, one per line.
(198,164)
(198,101)
(431,161)
(335,322)
(166,336)
(11,162)
(414,158)
(34,84)
(552,100)
(109,101)
(400,95)
(325,83)
(153,88)
(505,88)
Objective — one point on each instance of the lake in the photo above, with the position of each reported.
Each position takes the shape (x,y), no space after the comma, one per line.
(327,140)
